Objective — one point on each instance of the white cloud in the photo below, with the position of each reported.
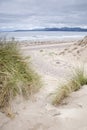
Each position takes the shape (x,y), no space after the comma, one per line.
(38,13)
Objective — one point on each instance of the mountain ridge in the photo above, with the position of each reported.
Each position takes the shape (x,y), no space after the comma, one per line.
(74,29)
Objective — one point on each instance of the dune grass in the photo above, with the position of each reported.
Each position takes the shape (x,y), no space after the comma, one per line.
(75,83)
(16,75)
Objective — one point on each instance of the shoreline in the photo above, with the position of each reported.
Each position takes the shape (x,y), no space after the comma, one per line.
(47,42)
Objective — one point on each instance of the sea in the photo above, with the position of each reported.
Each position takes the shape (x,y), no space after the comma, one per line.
(43,35)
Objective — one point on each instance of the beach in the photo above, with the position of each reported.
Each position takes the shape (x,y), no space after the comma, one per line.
(54,61)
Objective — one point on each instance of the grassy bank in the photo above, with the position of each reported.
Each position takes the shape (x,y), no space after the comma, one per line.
(16,75)
(75,83)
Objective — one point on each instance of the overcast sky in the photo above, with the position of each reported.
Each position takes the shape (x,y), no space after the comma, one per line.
(26,14)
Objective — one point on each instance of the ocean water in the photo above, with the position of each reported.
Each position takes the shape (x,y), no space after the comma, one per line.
(43,35)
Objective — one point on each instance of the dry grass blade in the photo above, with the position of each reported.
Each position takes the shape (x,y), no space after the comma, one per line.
(75,83)
(16,76)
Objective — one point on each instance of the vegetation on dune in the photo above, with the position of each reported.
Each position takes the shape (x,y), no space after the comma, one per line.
(75,83)
(16,75)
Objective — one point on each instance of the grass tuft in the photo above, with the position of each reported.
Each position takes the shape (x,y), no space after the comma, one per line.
(16,75)
(75,83)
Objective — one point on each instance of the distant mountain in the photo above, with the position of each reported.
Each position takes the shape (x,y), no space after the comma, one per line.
(74,29)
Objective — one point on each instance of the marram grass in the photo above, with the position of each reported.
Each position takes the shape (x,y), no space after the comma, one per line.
(16,75)
(75,83)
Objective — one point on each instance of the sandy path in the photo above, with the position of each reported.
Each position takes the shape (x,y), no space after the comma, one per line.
(38,113)
(43,63)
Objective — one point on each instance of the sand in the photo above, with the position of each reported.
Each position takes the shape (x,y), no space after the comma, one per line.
(54,62)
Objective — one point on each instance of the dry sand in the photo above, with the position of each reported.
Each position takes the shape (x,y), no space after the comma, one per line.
(54,62)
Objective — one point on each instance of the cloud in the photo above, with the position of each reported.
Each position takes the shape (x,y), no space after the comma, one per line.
(38,13)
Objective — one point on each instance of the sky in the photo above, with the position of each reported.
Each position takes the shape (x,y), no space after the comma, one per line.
(29,14)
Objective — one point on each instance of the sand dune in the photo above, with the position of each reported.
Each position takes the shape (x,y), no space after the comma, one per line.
(54,63)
